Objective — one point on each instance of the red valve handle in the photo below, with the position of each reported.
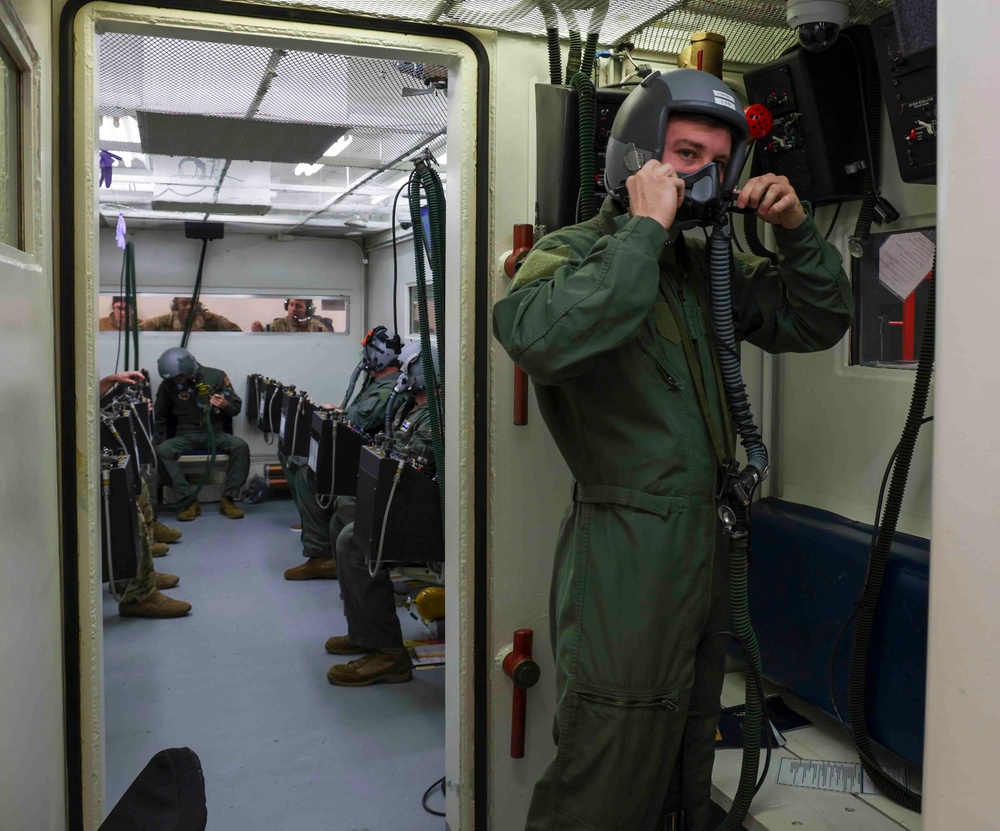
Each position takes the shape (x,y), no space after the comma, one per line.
(523,235)
(523,671)
(759,121)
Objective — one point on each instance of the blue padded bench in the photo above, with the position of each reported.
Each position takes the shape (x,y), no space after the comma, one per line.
(807,567)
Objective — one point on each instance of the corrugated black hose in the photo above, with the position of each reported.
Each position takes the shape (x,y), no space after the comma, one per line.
(585,97)
(878,563)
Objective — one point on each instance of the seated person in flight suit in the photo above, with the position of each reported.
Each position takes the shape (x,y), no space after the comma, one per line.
(373,629)
(380,361)
(180,309)
(116,319)
(142,596)
(197,396)
(301,317)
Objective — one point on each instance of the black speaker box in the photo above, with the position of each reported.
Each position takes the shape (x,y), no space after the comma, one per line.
(319,473)
(120,531)
(412,520)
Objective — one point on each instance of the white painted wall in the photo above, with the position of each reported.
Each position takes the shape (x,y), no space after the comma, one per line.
(964,651)
(320,364)
(32,763)
(380,279)
(838,424)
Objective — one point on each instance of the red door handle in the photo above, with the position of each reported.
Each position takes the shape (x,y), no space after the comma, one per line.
(524,672)
(523,235)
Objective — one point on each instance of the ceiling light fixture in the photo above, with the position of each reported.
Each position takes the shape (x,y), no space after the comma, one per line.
(356,222)
(340,145)
(304,169)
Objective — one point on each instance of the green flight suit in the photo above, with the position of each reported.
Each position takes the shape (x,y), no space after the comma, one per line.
(187,403)
(203,322)
(367,411)
(370,602)
(596,317)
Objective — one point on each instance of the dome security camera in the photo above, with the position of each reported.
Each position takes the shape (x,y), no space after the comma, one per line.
(817,22)
(405,224)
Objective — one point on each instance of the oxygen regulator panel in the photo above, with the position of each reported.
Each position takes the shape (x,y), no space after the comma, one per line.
(410,512)
(558,150)
(252,399)
(909,85)
(818,138)
(348,441)
(290,404)
(267,388)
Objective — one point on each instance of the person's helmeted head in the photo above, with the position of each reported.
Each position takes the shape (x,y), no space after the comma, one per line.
(686,118)
(176,364)
(183,306)
(379,350)
(300,309)
(413,375)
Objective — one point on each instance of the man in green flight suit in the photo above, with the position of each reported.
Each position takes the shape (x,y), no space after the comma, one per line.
(373,630)
(197,396)
(180,310)
(380,362)
(610,320)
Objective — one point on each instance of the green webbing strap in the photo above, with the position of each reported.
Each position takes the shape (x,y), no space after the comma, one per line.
(720,387)
(696,375)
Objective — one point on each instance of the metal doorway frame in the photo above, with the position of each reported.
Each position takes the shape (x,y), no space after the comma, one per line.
(74,417)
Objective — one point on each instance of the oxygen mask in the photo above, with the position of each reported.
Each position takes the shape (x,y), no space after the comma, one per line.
(704,203)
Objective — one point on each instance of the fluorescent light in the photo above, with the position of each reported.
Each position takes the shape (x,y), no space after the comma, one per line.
(340,145)
(443,159)
(378,200)
(306,169)
(126,129)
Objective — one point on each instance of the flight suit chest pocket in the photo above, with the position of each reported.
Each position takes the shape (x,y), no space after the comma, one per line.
(666,323)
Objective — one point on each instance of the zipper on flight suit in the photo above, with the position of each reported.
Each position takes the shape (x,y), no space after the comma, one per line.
(633,703)
(670,379)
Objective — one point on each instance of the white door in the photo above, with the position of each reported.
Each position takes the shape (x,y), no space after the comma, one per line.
(32,789)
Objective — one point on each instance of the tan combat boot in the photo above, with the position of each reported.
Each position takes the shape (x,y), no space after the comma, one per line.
(315,568)
(156,606)
(161,533)
(159,549)
(190,512)
(165,581)
(383,666)
(339,645)
(229,510)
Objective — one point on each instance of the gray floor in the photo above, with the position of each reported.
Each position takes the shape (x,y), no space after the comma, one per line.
(242,682)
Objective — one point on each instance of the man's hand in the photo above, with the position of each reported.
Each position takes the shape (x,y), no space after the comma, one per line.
(130,377)
(655,191)
(218,400)
(775,200)
(256,326)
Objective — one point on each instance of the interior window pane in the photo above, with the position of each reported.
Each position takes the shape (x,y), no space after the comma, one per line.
(10,151)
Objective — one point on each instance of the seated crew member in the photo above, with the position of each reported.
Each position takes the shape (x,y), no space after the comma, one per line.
(197,396)
(116,319)
(142,597)
(373,629)
(176,320)
(608,319)
(380,361)
(301,317)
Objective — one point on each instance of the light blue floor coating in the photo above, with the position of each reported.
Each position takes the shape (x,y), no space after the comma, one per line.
(242,682)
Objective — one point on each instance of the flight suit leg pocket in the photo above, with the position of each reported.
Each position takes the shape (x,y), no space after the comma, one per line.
(613,746)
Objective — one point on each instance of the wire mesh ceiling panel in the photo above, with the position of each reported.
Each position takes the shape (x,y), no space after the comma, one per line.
(755,30)
(284,137)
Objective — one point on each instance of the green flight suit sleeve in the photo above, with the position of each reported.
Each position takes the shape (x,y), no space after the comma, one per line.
(804,304)
(235,402)
(578,296)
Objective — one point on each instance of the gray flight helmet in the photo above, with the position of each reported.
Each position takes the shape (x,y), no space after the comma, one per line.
(412,376)
(177,361)
(379,349)
(642,122)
